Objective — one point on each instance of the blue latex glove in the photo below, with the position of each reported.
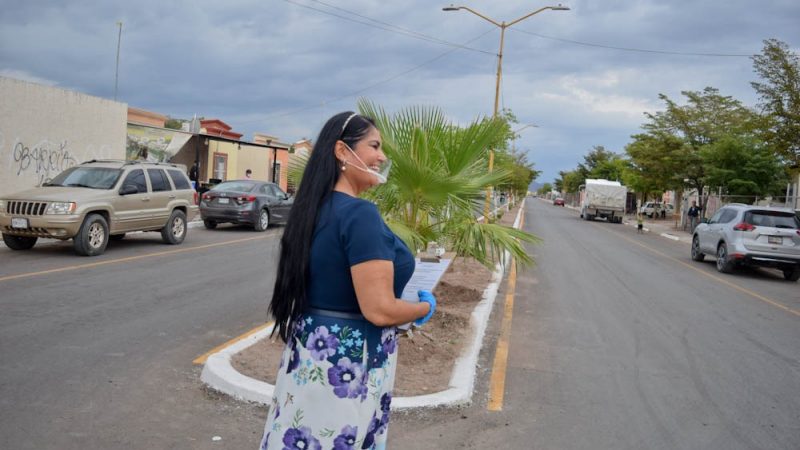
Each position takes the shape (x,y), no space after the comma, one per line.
(426,297)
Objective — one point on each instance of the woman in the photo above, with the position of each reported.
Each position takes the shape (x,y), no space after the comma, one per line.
(336,299)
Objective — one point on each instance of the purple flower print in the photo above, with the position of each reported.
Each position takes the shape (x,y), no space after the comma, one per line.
(347,379)
(389,340)
(294,358)
(322,344)
(386,405)
(375,427)
(300,439)
(346,439)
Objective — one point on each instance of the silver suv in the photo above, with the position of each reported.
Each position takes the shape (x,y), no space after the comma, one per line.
(100,200)
(744,235)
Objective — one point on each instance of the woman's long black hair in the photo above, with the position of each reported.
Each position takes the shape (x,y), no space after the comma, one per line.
(319,178)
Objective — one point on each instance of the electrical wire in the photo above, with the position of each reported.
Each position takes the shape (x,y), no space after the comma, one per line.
(379,83)
(387,26)
(631,49)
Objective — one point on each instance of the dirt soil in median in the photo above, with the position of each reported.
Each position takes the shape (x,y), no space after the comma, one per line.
(426,359)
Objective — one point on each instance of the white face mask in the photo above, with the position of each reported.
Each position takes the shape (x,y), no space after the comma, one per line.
(381,175)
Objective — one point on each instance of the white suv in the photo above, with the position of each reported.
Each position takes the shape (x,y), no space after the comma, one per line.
(740,235)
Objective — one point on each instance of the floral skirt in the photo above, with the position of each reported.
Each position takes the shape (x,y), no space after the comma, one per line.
(334,386)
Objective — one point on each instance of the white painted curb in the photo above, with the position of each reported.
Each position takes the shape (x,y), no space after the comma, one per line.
(669,236)
(219,374)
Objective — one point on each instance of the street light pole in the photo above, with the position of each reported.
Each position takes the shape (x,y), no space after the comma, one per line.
(502,26)
(116,72)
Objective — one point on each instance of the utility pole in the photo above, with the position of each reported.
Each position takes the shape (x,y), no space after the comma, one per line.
(116,73)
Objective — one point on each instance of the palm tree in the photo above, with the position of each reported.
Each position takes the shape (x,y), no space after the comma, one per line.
(437,183)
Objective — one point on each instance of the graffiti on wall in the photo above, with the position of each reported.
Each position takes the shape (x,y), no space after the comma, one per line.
(45,159)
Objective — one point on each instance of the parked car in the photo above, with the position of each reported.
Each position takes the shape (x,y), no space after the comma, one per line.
(558,201)
(247,202)
(743,235)
(100,200)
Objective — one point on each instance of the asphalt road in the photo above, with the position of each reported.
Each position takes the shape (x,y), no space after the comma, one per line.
(97,352)
(620,341)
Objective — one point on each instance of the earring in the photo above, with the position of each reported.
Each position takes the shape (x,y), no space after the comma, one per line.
(344,166)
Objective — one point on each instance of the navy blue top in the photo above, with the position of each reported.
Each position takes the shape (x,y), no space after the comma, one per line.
(349,231)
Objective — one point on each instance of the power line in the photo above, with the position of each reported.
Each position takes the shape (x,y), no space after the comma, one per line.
(631,49)
(384,81)
(386,26)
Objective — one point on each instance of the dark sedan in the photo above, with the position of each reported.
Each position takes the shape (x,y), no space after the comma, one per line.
(246,202)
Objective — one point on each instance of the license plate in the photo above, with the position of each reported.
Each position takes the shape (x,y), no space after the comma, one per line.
(19,222)
(223,201)
(775,240)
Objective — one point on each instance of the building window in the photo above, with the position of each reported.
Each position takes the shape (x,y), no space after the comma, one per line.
(277,173)
(220,166)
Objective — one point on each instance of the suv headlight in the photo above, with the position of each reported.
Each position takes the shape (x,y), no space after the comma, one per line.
(60,208)
(2,206)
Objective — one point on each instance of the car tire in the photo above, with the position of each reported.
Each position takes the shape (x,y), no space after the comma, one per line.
(209,224)
(724,264)
(19,242)
(697,255)
(92,237)
(262,221)
(174,232)
(792,274)
(117,237)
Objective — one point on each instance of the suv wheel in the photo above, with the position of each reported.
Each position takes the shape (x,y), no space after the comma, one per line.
(792,274)
(175,230)
(210,224)
(724,264)
(92,237)
(263,221)
(19,242)
(697,255)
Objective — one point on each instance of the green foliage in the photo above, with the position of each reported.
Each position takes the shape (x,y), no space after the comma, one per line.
(569,181)
(438,182)
(174,124)
(743,167)
(779,93)
(546,188)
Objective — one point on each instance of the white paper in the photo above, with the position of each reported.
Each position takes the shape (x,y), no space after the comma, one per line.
(426,276)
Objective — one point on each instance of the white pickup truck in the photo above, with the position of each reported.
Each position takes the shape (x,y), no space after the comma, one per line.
(603,198)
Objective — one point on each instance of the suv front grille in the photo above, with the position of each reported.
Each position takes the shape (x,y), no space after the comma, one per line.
(27,208)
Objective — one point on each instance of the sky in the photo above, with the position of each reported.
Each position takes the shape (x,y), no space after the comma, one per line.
(583,77)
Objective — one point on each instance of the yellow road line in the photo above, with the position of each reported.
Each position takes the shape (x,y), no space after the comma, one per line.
(202,358)
(130,258)
(497,383)
(713,277)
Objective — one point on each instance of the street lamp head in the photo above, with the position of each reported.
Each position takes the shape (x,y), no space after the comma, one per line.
(451,8)
(560,7)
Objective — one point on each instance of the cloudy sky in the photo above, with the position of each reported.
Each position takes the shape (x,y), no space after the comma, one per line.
(282,67)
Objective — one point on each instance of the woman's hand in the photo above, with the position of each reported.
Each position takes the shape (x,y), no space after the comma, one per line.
(426,297)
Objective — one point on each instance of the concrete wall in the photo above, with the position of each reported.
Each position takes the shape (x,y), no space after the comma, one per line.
(44,130)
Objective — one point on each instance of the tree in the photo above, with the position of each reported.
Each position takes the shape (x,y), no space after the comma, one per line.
(174,124)
(545,189)
(438,180)
(743,167)
(569,181)
(779,68)
(706,118)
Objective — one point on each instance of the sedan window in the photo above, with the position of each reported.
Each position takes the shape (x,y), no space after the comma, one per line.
(235,186)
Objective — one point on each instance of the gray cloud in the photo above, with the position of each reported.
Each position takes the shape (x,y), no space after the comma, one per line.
(250,62)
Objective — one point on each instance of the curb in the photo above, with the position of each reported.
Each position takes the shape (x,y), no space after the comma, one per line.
(219,374)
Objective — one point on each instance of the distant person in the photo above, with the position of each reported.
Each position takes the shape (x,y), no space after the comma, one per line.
(193,172)
(639,223)
(336,299)
(248,174)
(694,214)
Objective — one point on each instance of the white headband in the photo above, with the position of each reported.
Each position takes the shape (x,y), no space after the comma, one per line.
(348,121)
